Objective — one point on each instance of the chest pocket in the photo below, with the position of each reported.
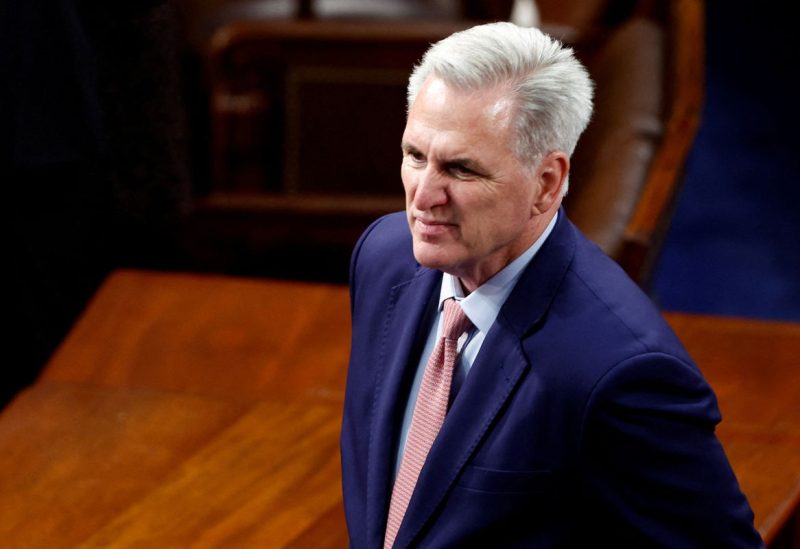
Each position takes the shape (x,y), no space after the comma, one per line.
(499,481)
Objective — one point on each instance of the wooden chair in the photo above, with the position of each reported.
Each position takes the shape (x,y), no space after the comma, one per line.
(629,164)
(306,122)
(307,115)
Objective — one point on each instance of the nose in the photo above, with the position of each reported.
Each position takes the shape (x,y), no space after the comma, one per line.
(430,190)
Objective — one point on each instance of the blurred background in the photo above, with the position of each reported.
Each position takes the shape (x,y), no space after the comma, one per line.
(733,247)
(260,137)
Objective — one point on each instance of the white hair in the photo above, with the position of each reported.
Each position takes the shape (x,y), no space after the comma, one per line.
(551,89)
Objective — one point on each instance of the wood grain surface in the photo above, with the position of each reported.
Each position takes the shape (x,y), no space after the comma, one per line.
(754,368)
(189,410)
(203,334)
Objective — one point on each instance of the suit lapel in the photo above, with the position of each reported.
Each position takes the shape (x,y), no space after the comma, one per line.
(497,370)
(406,312)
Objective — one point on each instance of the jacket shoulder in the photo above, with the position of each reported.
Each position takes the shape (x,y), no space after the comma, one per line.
(383,256)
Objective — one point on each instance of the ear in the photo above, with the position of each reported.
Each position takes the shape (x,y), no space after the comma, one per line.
(551,175)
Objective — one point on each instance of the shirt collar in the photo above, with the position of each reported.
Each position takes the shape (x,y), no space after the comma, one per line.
(483,305)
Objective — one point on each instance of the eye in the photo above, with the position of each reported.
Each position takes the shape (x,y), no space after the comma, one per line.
(415,157)
(461,171)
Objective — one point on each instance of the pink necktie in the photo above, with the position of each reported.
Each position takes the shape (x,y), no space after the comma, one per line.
(429,412)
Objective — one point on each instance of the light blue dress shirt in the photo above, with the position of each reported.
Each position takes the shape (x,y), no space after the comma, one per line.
(481,307)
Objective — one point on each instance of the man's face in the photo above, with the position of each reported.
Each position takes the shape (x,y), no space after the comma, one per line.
(471,205)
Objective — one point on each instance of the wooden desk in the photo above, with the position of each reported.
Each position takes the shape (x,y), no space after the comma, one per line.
(754,368)
(184,410)
(115,466)
(192,410)
(242,338)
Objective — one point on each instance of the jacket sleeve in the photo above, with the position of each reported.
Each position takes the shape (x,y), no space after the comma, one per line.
(652,470)
(373,269)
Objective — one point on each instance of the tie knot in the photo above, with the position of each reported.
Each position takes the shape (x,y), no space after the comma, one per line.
(456,321)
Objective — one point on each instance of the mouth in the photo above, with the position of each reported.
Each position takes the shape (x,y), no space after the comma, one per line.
(432,227)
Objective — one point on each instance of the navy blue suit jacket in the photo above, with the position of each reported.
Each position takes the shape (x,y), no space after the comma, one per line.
(582,420)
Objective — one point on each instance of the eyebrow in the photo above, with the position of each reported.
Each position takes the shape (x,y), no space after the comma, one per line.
(404,146)
(469,163)
(466,162)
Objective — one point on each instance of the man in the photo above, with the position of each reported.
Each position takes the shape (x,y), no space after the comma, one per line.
(573,414)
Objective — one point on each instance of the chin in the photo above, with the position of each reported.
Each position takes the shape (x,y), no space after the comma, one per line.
(432,256)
